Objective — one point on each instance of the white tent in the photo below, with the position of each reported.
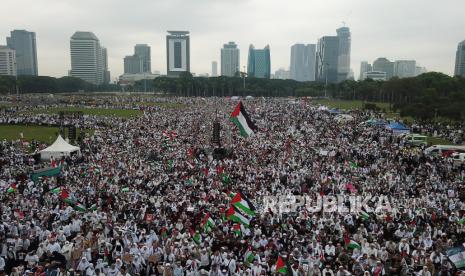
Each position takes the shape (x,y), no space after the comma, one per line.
(58,149)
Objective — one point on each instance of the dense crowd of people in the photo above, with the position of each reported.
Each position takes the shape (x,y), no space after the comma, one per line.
(134,201)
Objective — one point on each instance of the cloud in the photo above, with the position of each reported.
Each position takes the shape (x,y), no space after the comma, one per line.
(425,30)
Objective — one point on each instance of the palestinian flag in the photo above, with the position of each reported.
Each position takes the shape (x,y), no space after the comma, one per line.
(125,189)
(364,215)
(225,179)
(236,216)
(352,244)
(281,266)
(11,189)
(461,221)
(196,236)
(242,120)
(457,256)
(164,232)
(237,229)
(352,164)
(242,204)
(207,223)
(93,207)
(80,207)
(249,257)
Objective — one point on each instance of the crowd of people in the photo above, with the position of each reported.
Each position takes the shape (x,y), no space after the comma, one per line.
(135,200)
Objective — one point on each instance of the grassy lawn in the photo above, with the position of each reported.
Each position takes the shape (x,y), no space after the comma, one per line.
(39,133)
(124,113)
(438,141)
(163,105)
(343,104)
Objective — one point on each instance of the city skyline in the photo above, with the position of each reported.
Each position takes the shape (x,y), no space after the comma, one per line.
(302,22)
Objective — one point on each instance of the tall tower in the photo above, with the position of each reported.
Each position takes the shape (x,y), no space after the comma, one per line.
(460,60)
(143,51)
(327,58)
(343,67)
(7,61)
(24,44)
(259,64)
(214,69)
(177,53)
(230,64)
(302,62)
(87,60)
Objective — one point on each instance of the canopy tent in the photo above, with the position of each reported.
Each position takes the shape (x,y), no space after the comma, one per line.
(398,128)
(58,149)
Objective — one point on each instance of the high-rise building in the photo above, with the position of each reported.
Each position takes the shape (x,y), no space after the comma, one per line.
(282,74)
(177,53)
(375,75)
(460,60)
(106,72)
(364,68)
(303,62)
(343,67)
(230,64)
(86,58)
(384,65)
(259,64)
(24,44)
(7,61)
(405,68)
(214,69)
(143,51)
(133,64)
(327,57)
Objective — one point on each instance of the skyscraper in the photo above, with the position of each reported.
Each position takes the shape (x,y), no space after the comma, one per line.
(214,69)
(143,51)
(364,68)
(230,59)
(133,64)
(24,44)
(259,64)
(303,62)
(460,60)
(343,67)
(87,60)
(384,65)
(106,73)
(405,68)
(177,53)
(327,57)
(7,61)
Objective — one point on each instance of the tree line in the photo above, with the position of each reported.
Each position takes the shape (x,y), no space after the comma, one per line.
(423,97)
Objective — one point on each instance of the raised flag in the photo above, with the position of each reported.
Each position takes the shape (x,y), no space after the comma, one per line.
(80,207)
(56,190)
(237,229)
(353,244)
(461,221)
(125,189)
(249,257)
(196,236)
(235,216)
(364,215)
(207,223)
(242,120)
(281,266)
(11,189)
(457,256)
(243,204)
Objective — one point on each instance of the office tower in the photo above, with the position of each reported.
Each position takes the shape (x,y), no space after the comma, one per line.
(7,61)
(133,64)
(24,44)
(259,64)
(303,62)
(282,74)
(327,57)
(230,59)
(214,69)
(177,53)
(460,60)
(143,51)
(86,58)
(106,73)
(405,68)
(364,67)
(343,67)
(384,65)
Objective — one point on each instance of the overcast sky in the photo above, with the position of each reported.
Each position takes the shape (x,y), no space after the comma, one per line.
(425,30)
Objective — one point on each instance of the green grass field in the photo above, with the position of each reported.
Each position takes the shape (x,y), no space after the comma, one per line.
(343,104)
(39,133)
(123,113)
(163,105)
